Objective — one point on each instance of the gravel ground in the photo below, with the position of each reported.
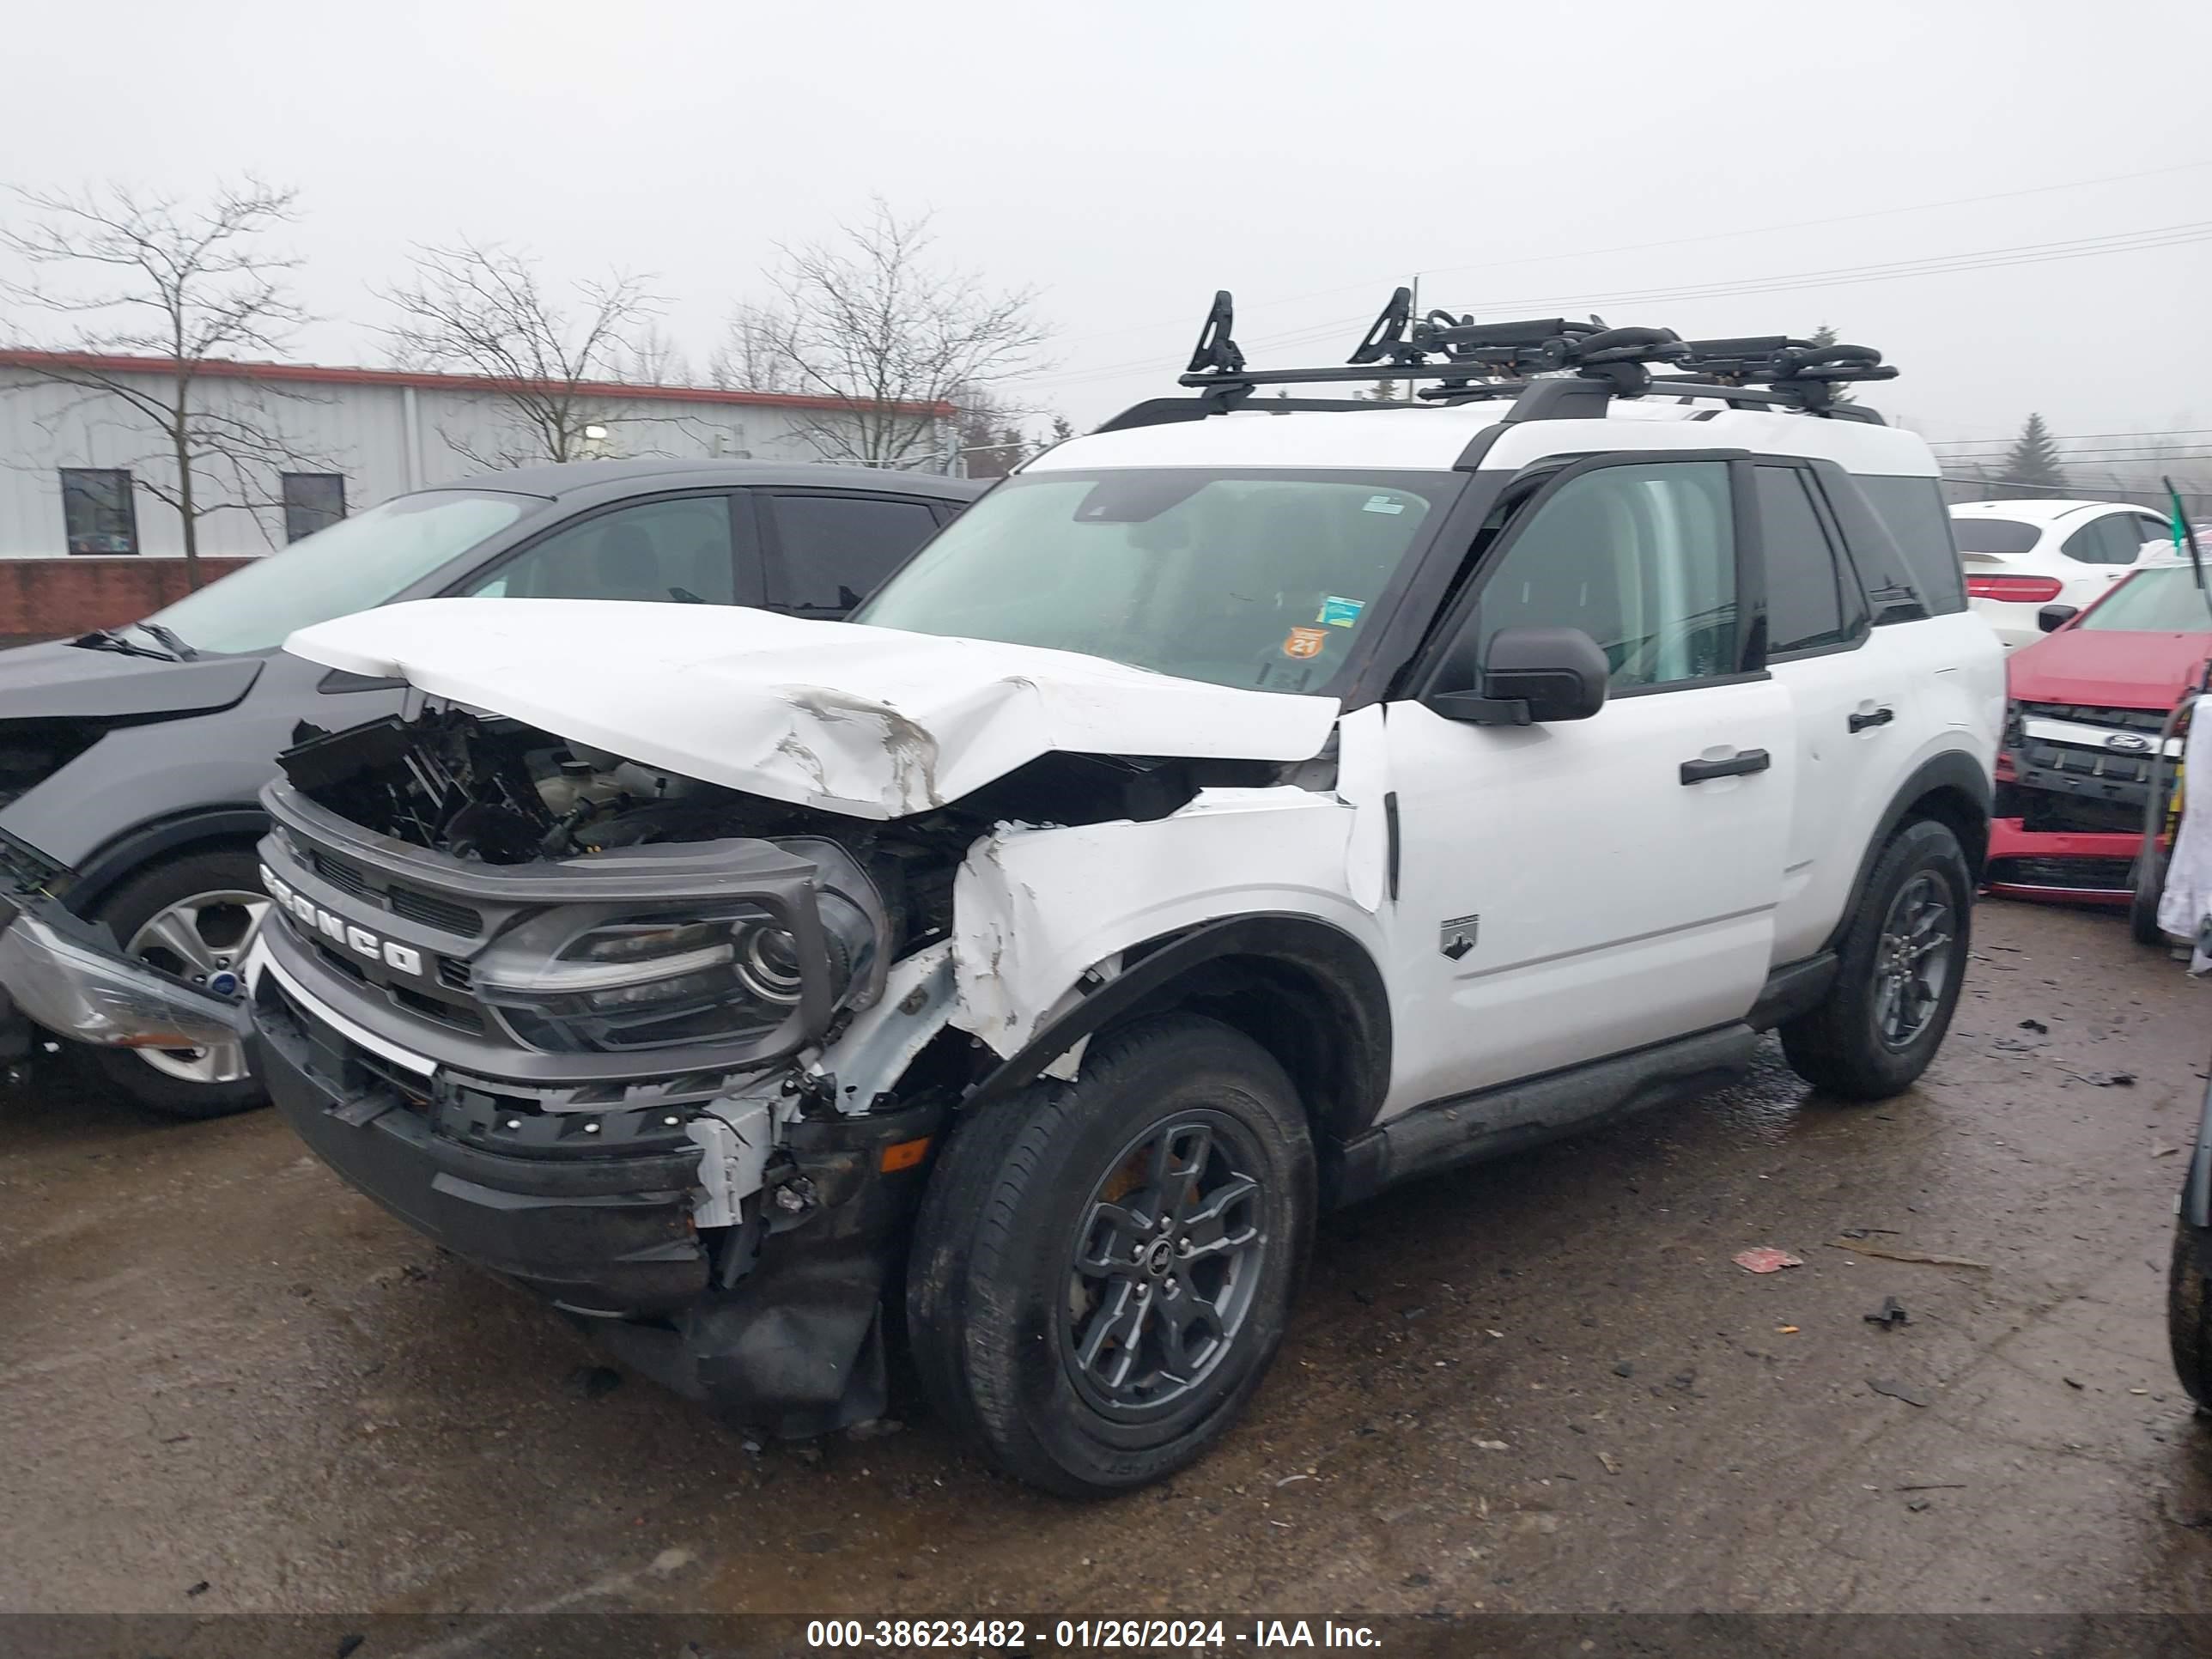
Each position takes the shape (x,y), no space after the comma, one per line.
(228,1383)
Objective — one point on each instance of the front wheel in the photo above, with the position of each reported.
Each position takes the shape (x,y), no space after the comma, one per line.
(196,917)
(1102,1270)
(1900,967)
(2189,1315)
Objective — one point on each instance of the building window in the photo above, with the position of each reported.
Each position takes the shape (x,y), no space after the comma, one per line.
(97,512)
(313,501)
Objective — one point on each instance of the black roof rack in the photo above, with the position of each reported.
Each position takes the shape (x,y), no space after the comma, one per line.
(1551,367)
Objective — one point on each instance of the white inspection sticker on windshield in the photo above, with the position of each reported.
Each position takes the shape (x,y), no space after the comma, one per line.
(1383,504)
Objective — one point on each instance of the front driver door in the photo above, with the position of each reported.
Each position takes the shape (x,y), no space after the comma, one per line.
(1576,890)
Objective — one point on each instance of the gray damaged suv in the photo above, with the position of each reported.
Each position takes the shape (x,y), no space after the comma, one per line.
(136,757)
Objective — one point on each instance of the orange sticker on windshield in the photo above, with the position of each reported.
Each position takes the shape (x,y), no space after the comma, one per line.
(1305,642)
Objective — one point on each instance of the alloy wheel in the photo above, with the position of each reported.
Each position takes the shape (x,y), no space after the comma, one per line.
(1165,1262)
(203,940)
(1912,960)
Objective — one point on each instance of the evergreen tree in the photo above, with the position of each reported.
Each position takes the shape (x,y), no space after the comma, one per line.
(1825,336)
(1385,392)
(2033,460)
(1062,429)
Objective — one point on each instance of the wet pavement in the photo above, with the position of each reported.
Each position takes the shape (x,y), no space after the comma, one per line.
(228,1383)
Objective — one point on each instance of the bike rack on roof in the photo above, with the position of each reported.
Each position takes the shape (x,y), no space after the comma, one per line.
(1551,368)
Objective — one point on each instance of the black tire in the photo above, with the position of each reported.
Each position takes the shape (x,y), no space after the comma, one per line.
(2189,1315)
(130,908)
(2149,878)
(997,1307)
(1846,1045)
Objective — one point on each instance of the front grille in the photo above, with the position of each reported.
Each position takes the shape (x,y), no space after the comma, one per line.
(339,874)
(435,912)
(338,960)
(446,1013)
(430,911)
(2078,761)
(454,974)
(2149,721)
(2093,875)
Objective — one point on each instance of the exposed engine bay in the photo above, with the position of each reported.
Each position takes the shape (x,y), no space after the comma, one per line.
(495,795)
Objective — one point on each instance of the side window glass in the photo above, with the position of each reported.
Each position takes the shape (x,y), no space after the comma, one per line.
(2091,545)
(1805,606)
(836,549)
(1906,558)
(1641,558)
(677,549)
(2126,534)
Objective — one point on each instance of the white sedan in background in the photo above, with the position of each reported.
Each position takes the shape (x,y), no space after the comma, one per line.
(2022,556)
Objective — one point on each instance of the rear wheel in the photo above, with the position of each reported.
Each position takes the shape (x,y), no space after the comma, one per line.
(1102,1270)
(196,917)
(1900,967)
(2149,884)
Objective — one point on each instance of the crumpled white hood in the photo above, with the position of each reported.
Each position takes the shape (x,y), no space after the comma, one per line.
(868,721)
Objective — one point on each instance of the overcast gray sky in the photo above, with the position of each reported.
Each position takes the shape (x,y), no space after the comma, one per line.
(1129,158)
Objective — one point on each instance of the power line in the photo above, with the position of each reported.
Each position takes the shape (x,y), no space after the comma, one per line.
(2026,253)
(1685,241)
(2103,451)
(2075,437)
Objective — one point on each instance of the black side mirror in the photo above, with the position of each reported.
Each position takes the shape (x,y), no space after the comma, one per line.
(1533,676)
(2052,618)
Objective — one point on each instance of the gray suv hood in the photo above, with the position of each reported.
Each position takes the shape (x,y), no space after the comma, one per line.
(58,680)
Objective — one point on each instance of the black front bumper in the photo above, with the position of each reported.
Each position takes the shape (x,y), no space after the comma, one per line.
(606,1236)
(777,1327)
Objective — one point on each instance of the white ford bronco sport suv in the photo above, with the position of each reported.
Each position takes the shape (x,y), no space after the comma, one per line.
(1252,803)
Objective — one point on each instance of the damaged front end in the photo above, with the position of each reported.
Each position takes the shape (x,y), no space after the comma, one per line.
(69,975)
(2079,788)
(568,1016)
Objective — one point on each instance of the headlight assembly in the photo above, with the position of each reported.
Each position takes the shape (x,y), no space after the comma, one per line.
(618,980)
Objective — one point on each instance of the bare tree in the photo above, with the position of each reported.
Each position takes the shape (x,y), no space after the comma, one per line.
(748,360)
(992,442)
(189,285)
(869,323)
(480,309)
(656,360)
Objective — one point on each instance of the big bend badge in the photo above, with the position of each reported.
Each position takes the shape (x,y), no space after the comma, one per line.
(1455,938)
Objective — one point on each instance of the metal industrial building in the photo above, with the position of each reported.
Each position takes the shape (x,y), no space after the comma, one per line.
(71,461)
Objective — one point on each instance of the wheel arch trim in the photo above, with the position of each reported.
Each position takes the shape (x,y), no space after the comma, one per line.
(1325,958)
(124,855)
(1953,781)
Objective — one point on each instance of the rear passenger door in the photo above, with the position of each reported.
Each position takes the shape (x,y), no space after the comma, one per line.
(826,550)
(1846,679)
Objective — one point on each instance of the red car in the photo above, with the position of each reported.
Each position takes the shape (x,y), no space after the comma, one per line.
(2086,721)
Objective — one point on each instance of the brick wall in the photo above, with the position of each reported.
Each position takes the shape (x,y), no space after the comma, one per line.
(52,599)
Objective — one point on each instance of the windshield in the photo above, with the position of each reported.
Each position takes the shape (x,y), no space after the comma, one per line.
(1261,580)
(1978,535)
(353,564)
(2162,601)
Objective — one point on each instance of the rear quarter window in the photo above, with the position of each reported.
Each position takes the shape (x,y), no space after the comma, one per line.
(1920,555)
(1980,535)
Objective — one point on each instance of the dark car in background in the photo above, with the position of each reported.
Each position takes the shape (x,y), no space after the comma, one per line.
(135,756)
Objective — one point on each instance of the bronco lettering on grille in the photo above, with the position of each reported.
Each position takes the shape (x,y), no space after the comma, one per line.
(340,931)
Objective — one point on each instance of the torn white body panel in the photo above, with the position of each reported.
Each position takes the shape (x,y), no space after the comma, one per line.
(876,1049)
(870,722)
(1035,909)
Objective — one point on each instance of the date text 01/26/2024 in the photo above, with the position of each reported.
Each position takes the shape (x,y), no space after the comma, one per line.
(1021,1636)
